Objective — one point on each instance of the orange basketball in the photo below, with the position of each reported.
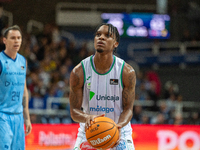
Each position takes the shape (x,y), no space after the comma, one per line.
(103,133)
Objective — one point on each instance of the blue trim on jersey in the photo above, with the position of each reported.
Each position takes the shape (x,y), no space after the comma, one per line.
(9,56)
(121,76)
(1,66)
(83,71)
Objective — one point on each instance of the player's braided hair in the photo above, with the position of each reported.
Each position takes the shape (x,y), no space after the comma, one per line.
(113,30)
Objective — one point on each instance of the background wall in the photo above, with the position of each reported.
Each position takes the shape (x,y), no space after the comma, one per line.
(44,11)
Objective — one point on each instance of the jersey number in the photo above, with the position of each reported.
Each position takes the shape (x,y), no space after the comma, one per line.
(15,96)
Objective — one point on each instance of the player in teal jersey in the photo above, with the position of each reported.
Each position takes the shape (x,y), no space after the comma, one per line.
(14,111)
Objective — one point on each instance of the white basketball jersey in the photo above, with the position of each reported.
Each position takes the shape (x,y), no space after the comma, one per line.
(102,93)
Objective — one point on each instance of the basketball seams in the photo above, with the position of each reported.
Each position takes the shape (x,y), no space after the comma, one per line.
(103,131)
(109,140)
(104,121)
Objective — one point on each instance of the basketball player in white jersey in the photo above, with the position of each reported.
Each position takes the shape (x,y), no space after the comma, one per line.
(103,84)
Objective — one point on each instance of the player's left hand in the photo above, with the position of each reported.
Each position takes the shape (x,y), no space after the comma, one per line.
(90,119)
(28,127)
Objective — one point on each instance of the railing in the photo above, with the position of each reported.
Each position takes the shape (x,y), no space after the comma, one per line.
(9,15)
(89,14)
(34,23)
(144,103)
(49,110)
(181,53)
(156,48)
(98,6)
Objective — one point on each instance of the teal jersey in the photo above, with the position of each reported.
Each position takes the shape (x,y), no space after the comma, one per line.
(12,81)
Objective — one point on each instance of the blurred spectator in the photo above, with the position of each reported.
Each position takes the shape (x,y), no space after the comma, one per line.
(62,52)
(179,105)
(72,51)
(171,103)
(40,53)
(177,120)
(56,37)
(137,115)
(148,87)
(170,88)
(36,85)
(154,79)
(82,53)
(51,92)
(34,118)
(2,23)
(194,119)
(193,16)
(66,119)
(141,92)
(164,110)
(54,120)
(64,72)
(158,119)
(140,78)
(145,119)
(45,119)
(33,63)
(44,77)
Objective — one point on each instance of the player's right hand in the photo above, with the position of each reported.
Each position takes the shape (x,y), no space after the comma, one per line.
(118,141)
(90,119)
(28,126)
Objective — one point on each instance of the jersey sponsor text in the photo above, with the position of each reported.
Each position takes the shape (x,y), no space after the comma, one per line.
(112,98)
(102,109)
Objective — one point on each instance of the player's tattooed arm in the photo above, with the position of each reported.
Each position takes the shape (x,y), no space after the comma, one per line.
(128,94)
(76,94)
